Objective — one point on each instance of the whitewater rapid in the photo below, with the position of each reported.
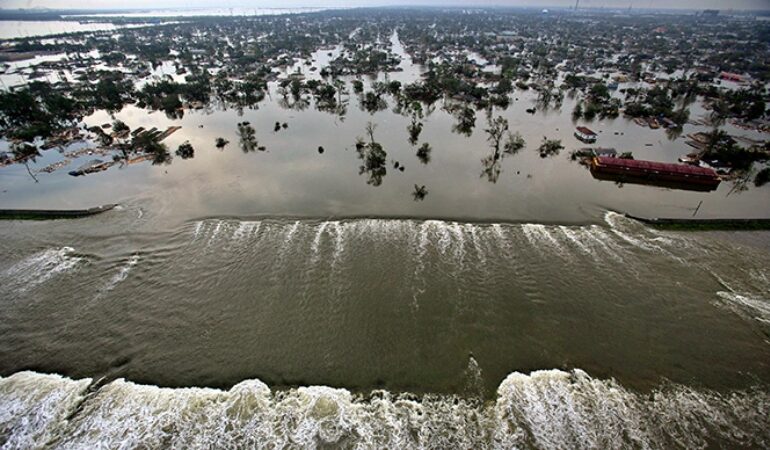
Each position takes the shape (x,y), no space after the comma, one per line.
(550,409)
(453,271)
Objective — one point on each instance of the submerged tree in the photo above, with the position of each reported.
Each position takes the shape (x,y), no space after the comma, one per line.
(466,119)
(372,102)
(414,129)
(498,128)
(423,153)
(221,142)
(374,157)
(549,147)
(248,138)
(419,193)
(24,152)
(763,176)
(185,150)
(150,144)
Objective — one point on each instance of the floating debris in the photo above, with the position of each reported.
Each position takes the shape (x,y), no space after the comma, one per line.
(55,166)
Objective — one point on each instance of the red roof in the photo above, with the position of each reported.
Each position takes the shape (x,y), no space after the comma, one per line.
(732,76)
(585,130)
(661,167)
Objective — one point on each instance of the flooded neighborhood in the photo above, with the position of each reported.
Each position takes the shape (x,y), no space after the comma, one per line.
(521,226)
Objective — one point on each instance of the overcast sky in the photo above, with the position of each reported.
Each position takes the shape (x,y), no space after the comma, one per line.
(134,4)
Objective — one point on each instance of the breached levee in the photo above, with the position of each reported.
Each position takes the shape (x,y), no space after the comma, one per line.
(545,409)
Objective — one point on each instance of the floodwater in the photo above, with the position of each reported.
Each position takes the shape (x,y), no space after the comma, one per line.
(278,299)
(10,29)
(197,12)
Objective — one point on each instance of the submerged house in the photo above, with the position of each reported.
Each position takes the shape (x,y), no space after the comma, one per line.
(731,76)
(585,135)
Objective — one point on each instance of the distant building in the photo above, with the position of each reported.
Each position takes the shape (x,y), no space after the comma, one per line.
(585,134)
(710,12)
(731,76)
(605,152)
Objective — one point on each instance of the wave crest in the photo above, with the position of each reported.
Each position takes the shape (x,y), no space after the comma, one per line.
(545,409)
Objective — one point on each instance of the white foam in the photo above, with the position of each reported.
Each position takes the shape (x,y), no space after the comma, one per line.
(41,267)
(539,235)
(602,239)
(215,233)
(339,241)
(499,233)
(423,240)
(34,406)
(246,229)
(473,231)
(746,305)
(291,230)
(197,229)
(122,273)
(616,220)
(317,239)
(458,232)
(544,409)
(618,224)
(573,237)
(441,230)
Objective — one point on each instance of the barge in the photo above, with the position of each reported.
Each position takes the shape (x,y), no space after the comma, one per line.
(674,176)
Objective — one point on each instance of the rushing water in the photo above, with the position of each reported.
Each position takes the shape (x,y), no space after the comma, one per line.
(275,299)
(546,409)
(434,333)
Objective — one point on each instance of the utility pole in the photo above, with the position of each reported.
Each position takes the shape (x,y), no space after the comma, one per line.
(696,209)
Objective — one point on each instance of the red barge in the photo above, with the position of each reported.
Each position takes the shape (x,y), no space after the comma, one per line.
(675,176)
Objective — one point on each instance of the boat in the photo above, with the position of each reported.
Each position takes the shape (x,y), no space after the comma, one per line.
(675,176)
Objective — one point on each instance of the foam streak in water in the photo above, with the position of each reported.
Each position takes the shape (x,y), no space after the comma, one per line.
(746,306)
(41,267)
(538,235)
(246,230)
(122,272)
(573,237)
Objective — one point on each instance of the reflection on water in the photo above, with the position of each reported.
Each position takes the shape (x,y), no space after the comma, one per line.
(247,137)
(497,130)
(273,273)
(373,157)
(10,29)
(434,140)
(621,179)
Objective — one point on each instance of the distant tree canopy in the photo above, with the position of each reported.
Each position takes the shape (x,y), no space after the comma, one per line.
(37,111)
